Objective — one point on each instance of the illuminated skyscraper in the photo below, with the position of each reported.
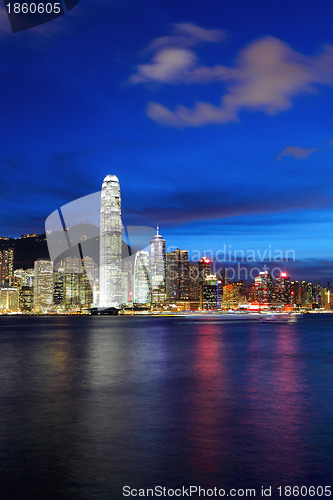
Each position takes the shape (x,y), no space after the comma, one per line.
(71,284)
(141,278)
(25,275)
(110,270)
(264,287)
(6,264)
(157,268)
(211,292)
(25,298)
(43,285)
(282,289)
(9,299)
(205,269)
(87,279)
(177,278)
(59,287)
(193,281)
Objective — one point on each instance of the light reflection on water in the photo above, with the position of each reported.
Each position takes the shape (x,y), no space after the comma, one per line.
(89,404)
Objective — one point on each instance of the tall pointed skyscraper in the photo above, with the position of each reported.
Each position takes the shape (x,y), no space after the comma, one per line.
(110,244)
(157,268)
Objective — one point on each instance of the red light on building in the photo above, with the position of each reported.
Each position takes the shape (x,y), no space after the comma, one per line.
(283,275)
(254,307)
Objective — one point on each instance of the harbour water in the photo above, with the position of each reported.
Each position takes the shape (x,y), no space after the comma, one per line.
(90,404)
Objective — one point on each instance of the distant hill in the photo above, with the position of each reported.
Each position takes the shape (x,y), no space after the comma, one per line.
(27,250)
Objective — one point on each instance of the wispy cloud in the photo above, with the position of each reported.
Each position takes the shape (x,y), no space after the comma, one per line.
(296,152)
(173,61)
(187,35)
(268,76)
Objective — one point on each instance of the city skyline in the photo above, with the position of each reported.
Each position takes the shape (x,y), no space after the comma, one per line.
(161,280)
(248,164)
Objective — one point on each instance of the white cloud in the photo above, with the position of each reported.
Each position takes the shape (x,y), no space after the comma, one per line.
(168,66)
(173,60)
(296,152)
(268,76)
(187,35)
(201,114)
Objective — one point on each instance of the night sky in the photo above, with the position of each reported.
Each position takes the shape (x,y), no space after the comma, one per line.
(216,116)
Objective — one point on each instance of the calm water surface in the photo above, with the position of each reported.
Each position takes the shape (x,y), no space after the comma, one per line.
(89,404)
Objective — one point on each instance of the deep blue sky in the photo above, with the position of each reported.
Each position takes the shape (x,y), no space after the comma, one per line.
(215,115)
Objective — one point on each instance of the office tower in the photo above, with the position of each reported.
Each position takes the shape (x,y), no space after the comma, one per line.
(87,279)
(327,297)
(211,296)
(308,293)
(58,287)
(141,278)
(177,278)
(231,296)
(29,277)
(14,282)
(264,287)
(205,269)
(224,277)
(25,299)
(295,289)
(124,288)
(282,289)
(250,293)
(110,278)
(6,264)
(9,299)
(157,268)
(318,295)
(193,282)
(43,285)
(128,278)
(20,274)
(72,277)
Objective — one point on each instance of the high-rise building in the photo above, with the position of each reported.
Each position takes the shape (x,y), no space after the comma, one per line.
(25,275)
(193,281)
(157,268)
(141,278)
(231,296)
(43,285)
(6,264)
(264,287)
(25,298)
(59,287)
(87,280)
(327,297)
(177,278)
(110,270)
(211,292)
(128,278)
(72,277)
(282,289)
(9,299)
(205,269)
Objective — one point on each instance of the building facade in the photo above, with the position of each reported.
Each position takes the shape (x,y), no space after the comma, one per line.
(110,270)
(141,278)
(157,268)
(43,285)
(177,275)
